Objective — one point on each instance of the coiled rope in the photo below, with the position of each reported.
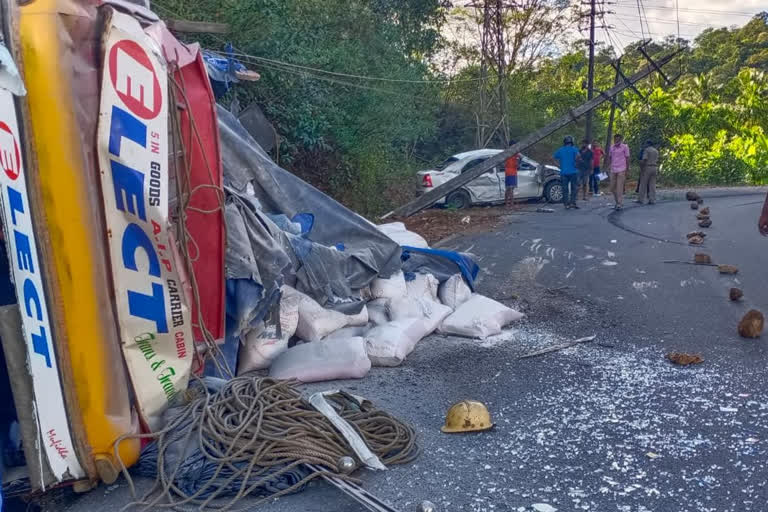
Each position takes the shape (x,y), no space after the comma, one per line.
(256,430)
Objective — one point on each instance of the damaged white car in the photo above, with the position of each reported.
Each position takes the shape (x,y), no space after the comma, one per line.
(534,180)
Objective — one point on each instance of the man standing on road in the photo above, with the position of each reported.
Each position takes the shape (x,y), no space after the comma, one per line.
(585,161)
(649,166)
(762,224)
(594,180)
(569,173)
(618,157)
(510,177)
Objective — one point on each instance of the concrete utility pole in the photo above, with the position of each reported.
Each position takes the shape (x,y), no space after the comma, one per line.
(591,76)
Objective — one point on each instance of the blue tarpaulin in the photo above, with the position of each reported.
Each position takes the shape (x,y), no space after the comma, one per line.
(221,71)
(440,263)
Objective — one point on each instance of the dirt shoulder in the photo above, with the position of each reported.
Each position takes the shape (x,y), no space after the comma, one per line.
(437,224)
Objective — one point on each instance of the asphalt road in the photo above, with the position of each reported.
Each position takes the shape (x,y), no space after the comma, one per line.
(604,426)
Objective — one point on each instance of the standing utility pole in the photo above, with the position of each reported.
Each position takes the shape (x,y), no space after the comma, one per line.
(591,77)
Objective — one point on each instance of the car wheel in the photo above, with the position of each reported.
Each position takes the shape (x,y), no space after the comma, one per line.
(553,191)
(458,199)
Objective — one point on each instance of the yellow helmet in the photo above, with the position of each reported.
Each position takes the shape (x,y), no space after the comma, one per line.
(467,416)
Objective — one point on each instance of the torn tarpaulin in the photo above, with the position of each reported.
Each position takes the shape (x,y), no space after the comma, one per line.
(326,226)
(440,263)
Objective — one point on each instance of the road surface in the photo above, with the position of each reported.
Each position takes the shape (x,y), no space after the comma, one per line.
(605,426)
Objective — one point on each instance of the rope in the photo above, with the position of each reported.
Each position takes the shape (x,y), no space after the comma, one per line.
(256,430)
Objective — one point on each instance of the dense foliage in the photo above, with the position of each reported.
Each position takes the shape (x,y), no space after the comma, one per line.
(365,92)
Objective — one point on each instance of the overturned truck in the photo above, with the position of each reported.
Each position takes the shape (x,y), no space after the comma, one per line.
(155,254)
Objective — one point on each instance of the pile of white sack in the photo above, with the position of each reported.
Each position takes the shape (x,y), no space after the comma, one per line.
(397,315)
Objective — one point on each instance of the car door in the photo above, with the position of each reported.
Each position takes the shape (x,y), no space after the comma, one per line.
(527,178)
(485,188)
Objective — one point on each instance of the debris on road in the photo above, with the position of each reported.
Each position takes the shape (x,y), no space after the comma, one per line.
(700,201)
(696,233)
(728,269)
(751,326)
(437,224)
(557,348)
(466,219)
(736,294)
(543,507)
(696,240)
(702,258)
(545,210)
(704,211)
(652,455)
(683,359)
(694,206)
(692,196)
(701,215)
(705,223)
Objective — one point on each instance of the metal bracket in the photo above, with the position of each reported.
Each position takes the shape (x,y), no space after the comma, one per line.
(629,82)
(653,64)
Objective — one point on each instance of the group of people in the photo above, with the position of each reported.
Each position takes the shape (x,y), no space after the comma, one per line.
(580,169)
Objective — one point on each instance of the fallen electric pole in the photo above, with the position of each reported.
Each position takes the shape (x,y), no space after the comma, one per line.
(446,188)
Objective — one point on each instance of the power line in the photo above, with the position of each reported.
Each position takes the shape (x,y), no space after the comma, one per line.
(309,75)
(692,10)
(640,15)
(350,75)
(634,36)
(645,15)
(673,22)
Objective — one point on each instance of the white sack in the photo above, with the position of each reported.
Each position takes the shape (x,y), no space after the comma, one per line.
(392,227)
(454,292)
(419,308)
(348,332)
(289,311)
(359,319)
(391,288)
(400,234)
(377,311)
(390,343)
(365,294)
(479,317)
(423,286)
(261,346)
(316,322)
(409,238)
(319,361)
(259,350)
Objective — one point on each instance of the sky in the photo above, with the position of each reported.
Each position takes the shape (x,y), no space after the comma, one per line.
(661,15)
